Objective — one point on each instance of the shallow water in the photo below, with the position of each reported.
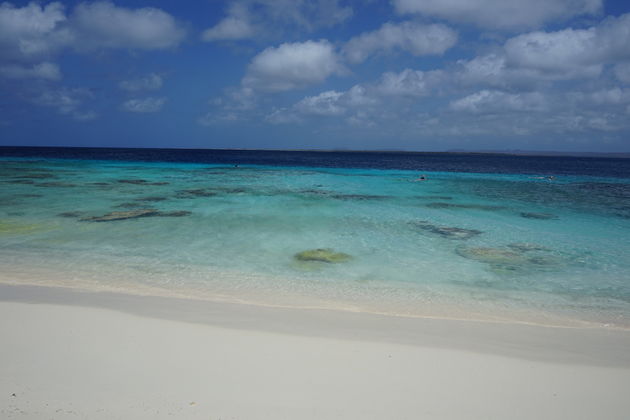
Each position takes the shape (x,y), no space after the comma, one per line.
(517,247)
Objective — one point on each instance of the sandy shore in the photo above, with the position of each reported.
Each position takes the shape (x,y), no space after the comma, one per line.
(68,354)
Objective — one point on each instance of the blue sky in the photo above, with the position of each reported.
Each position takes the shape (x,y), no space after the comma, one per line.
(324,74)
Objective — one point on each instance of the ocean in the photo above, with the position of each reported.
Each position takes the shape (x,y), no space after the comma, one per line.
(541,240)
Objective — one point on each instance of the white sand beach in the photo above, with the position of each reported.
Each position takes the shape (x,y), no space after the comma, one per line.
(68,354)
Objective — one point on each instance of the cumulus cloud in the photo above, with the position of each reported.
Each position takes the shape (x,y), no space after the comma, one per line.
(151,81)
(292,65)
(143,105)
(501,14)
(409,82)
(415,38)
(32,32)
(247,19)
(360,103)
(330,103)
(568,49)
(540,57)
(612,96)
(236,25)
(45,71)
(493,101)
(67,101)
(622,72)
(104,25)
(35,32)
(326,104)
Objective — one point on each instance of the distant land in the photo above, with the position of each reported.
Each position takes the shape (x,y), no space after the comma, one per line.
(625,155)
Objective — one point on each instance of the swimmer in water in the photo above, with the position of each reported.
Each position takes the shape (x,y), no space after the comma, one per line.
(421,178)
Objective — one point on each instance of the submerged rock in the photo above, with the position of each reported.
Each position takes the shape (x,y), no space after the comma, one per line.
(122,215)
(325,255)
(141,182)
(491,255)
(55,184)
(175,213)
(447,231)
(194,193)
(38,176)
(71,214)
(526,247)
(541,216)
(357,197)
(484,207)
(509,260)
(20,181)
(151,199)
(434,197)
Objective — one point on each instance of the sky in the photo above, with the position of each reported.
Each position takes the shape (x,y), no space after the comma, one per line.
(424,75)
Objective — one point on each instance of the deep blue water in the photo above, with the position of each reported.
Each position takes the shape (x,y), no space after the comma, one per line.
(435,162)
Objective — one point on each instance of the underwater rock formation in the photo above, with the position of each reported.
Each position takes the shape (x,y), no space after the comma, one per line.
(357,197)
(484,207)
(141,182)
(37,176)
(526,247)
(325,255)
(194,193)
(509,260)
(71,214)
(541,216)
(446,231)
(491,255)
(55,184)
(122,215)
(174,213)
(434,197)
(151,199)
(134,214)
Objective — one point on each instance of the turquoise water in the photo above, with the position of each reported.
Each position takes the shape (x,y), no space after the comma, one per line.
(507,247)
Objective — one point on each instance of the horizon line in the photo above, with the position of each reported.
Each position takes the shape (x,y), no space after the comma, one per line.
(510,152)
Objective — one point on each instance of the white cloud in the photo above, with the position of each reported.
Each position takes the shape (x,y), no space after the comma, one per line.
(409,82)
(45,70)
(151,81)
(501,14)
(415,38)
(35,33)
(325,104)
(104,25)
(144,105)
(237,25)
(213,118)
(282,116)
(330,103)
(291,66)
(572,50)
(67,101)
(612,96)
(360,103)
(622,72)
(247,19)
(540,57)
(32,32)
(493,101)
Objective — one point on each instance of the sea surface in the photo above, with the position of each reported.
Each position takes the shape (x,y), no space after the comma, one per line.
(542,240)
